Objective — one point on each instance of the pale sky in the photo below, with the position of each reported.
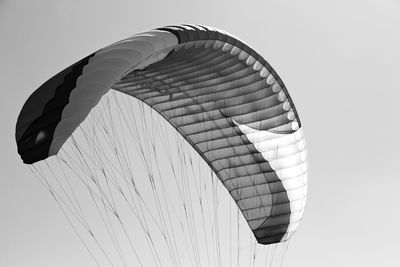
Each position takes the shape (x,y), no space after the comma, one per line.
(339,59)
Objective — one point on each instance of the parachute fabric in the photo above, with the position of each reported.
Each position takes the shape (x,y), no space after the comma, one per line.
(222,97)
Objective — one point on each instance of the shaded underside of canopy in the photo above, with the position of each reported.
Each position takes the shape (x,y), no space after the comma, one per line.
(217,92)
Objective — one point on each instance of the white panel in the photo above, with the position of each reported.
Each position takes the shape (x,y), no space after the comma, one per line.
(287,157)
(99,75)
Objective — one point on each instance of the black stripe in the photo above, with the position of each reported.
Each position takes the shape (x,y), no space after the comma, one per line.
(174,32)
(31,147)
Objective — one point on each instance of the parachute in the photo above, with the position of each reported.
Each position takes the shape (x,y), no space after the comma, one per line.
(220,95)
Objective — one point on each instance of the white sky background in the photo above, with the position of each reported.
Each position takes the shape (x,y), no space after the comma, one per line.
(339,59)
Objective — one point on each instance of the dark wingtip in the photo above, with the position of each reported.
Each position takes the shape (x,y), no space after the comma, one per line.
(42,112)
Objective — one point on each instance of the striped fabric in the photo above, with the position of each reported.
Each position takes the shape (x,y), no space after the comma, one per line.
(216,91)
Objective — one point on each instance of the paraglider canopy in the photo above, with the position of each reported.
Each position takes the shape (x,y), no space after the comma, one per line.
(217,92)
